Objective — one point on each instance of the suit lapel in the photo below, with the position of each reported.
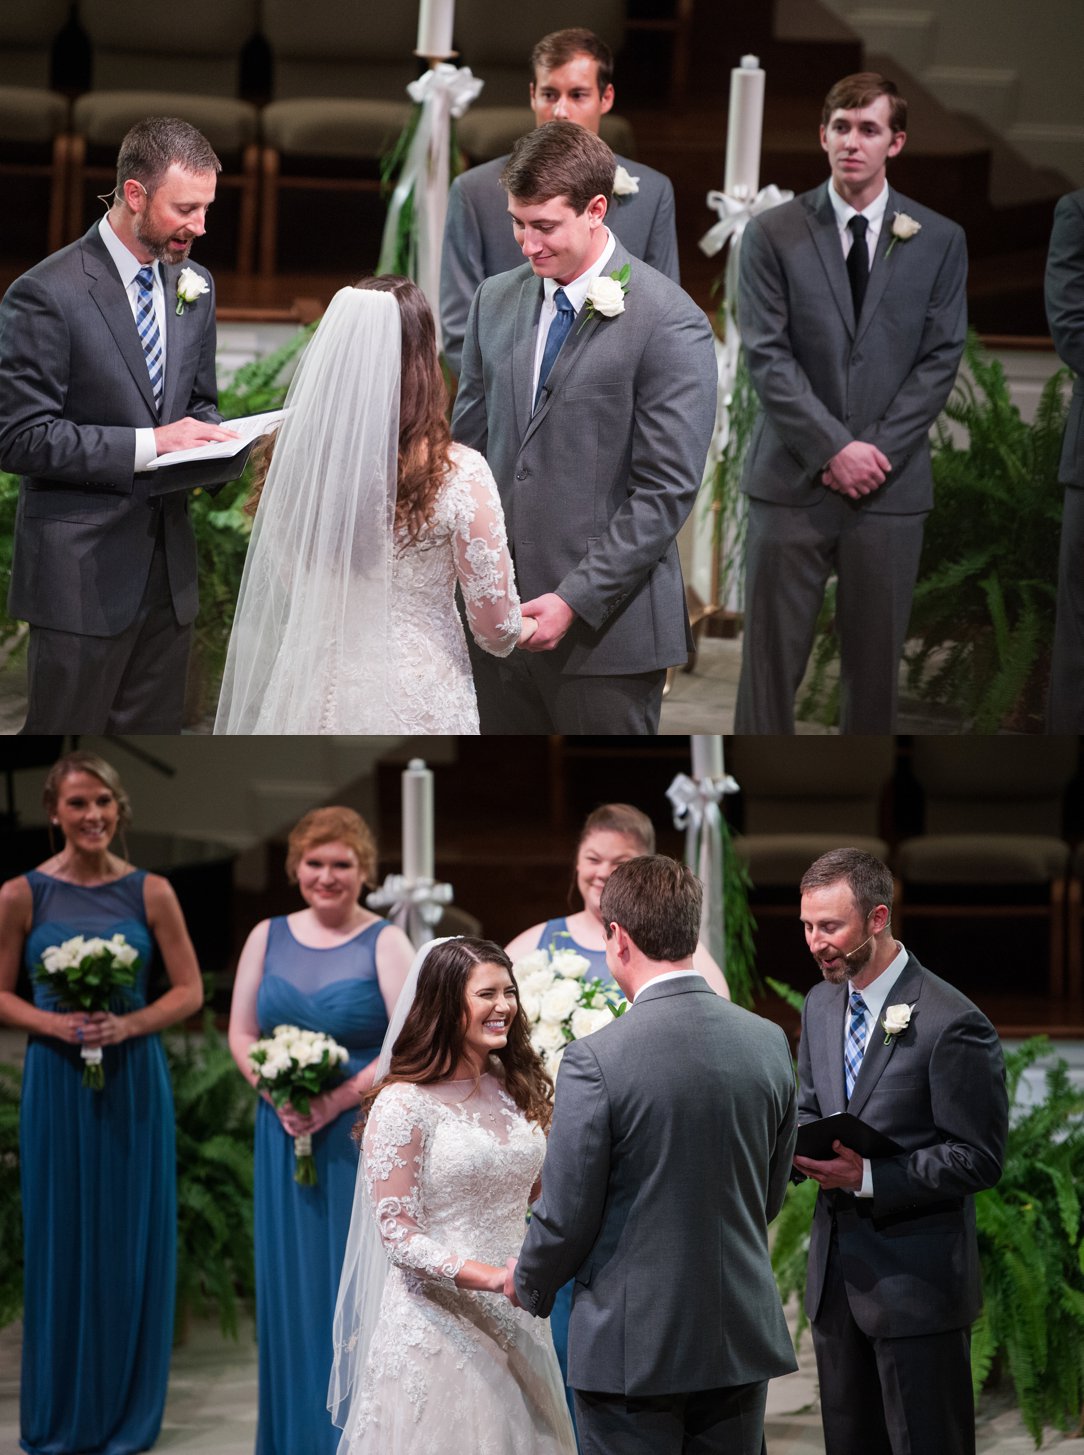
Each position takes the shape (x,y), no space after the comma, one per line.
(825,232)
(583,330)
(877,1055)
(523,348)
(108,293)
(881,270)
(829,1072)
(175,327)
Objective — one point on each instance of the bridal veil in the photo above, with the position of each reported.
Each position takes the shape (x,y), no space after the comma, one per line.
(315,602)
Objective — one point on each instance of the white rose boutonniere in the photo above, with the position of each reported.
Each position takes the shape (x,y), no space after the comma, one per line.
(606,296)
(904,229)
(190,286)
(896,1020)
(625,185)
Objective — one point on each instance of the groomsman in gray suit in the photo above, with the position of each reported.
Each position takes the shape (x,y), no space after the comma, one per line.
(853,314)
(589,384)
(571,80)
(104,366)
(1065,313)
(669,1155)
(893,1285)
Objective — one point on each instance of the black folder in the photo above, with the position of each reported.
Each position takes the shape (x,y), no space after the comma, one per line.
(209,475)
(815,1138)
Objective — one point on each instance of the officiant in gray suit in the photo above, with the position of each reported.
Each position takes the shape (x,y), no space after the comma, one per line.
(106,361)
(668,1156)
(571,80)
(589,384)
(893,1283)
(1065,314)
(853,315)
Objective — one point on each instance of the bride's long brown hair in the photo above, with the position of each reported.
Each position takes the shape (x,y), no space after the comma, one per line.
(431,1041)
(424,436)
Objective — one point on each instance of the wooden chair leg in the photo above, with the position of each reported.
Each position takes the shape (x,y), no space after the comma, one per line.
(246,226)
(58,193)
(269,206)
(77,151)
(1057,938)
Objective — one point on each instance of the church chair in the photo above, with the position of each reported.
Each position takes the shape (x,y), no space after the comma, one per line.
(179,62)
(34,118)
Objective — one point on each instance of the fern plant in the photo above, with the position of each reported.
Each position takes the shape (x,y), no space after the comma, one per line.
(215,1117)
(982,621)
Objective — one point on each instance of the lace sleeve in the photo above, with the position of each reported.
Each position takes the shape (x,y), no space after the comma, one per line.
(393,1153)
(482,562)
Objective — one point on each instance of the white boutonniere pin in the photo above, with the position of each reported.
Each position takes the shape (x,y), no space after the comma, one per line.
(625,185)
(896,1020)
(190,286)
(904,229)
(606,296)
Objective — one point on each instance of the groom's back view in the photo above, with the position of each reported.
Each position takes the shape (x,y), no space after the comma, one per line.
(669,1155)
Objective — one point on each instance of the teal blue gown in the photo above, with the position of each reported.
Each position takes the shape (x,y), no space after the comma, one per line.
(98,1171)
(555,935)
(301,1231)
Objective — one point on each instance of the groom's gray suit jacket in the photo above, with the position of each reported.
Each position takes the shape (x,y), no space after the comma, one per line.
(909,1254)
(478,239)
(598,480)
(669,1155)
(73,388)
(824,381)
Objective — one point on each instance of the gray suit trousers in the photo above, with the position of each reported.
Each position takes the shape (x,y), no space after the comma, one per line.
(702,1422)
(790,553)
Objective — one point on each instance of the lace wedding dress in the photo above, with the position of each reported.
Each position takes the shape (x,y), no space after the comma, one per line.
(449,1169)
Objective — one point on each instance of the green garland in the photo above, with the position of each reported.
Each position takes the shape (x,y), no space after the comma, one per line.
(400,257)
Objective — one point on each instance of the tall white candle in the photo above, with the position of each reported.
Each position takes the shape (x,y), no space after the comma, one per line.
(435,21)
(707,750)
(417,822)
(743,129)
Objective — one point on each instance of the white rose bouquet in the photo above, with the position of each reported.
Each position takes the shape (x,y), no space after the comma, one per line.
(292,1065)
(85,974)
(560,1004)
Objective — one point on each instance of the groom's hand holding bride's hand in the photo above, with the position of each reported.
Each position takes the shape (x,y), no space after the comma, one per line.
(553,616)
(185,434)
(510,1282)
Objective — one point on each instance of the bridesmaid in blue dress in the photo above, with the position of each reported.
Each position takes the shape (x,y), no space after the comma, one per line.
(331,967)
(98,1168)
(611,835)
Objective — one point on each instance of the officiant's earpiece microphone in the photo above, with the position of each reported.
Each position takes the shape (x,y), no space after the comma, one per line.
(849,954)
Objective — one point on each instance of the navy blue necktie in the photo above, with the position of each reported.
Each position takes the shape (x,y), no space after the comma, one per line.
(147,323)
(856,1042)
(555,338)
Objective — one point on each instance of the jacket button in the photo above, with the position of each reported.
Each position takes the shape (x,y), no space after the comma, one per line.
(522,474)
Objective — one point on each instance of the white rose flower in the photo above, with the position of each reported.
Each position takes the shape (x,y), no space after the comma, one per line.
(530,1005)
(190,286)
(560,1001)
(905,227)
(547,1037)
(536,960)
(895,1021)
(570,965)
(95,946)
(585,1022)
(624,184)
(537,982)
(607,297)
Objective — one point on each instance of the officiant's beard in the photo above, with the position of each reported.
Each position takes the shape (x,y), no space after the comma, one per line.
(158,243)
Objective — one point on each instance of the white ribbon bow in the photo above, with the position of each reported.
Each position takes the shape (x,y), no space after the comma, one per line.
(697,799)
(443,92)
(424,895)
(735,212)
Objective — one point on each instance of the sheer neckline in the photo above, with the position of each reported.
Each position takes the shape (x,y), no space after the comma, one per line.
(77,884)
(321,949)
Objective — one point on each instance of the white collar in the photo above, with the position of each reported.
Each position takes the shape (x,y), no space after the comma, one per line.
(666,975)
(874,213)
(878,991)
(576,291)
(124,260)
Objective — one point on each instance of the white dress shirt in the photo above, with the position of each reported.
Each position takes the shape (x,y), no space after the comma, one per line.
(575,292)
(666,975)
(128,266)
(874,215)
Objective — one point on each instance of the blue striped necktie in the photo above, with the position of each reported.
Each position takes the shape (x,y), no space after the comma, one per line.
(147,323)
(555,338)
(856,1042)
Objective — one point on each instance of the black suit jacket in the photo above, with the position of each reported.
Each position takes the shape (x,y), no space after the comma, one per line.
(909,1254)
(73,389)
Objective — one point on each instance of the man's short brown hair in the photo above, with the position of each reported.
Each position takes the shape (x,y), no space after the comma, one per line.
(658,903)
(560,159)
(562,46)
(855,92)
(157,143)
(868,879)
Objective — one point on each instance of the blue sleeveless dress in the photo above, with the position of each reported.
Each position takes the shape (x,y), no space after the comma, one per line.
(98,1173)
(301,1231)
(556,932)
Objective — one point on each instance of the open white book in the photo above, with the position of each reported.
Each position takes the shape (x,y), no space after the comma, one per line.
(248,428)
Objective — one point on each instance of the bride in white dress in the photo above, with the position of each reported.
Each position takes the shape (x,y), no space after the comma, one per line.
(431,1358)
(368,516)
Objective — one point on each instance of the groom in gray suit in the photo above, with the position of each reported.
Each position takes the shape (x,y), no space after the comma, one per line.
(589,384)
(893,1284)
(571,80)
(103,366)
(669,1154)
(853,317)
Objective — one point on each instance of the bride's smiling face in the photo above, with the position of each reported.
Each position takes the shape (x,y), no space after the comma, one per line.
(491,1006)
